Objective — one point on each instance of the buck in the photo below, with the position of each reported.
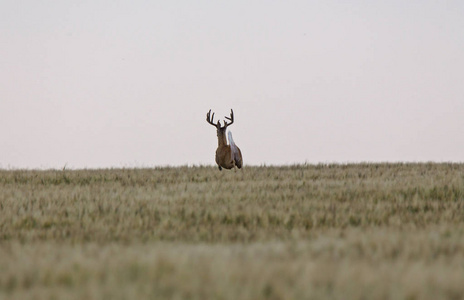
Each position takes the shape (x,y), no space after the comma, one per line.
(227,156)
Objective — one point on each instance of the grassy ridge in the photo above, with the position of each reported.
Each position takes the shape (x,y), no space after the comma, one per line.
(306,231)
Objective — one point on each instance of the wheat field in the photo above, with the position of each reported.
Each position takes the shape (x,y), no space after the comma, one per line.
(328,231)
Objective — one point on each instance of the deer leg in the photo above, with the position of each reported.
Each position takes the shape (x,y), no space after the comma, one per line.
(220,168)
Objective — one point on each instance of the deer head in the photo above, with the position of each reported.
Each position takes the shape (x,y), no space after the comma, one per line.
(221,130)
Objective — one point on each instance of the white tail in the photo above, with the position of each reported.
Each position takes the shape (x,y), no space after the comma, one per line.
(233,148)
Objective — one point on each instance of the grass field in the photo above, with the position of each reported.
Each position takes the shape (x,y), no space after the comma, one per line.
(357,231)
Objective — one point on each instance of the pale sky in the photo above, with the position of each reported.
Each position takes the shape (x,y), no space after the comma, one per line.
(128,83)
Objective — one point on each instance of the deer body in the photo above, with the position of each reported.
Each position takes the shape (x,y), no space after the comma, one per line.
(227,156)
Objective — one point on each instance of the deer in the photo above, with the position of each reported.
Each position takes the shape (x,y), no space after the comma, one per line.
(227,156)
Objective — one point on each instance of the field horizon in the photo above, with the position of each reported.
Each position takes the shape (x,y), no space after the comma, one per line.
(66,167)
(300,231)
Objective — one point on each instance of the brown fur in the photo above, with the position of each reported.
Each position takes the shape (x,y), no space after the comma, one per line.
(223,153)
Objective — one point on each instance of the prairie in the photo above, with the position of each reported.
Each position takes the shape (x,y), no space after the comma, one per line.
(328,231)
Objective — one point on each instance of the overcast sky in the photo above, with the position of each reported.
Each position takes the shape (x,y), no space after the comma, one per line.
(128,83)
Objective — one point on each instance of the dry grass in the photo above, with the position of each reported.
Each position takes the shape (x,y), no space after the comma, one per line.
(361,231)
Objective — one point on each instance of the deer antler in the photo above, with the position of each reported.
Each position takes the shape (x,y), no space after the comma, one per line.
(231,119)
(210,118)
